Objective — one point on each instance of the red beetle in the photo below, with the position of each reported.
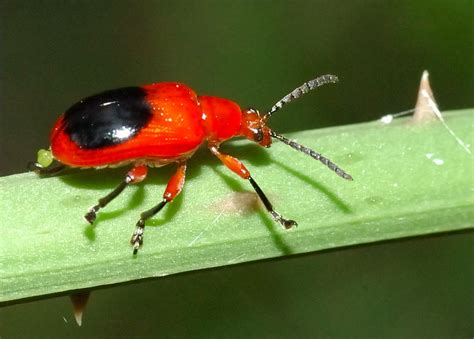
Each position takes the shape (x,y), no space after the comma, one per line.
(158,124)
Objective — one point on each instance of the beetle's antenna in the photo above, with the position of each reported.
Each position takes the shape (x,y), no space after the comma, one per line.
(300,91)
(339,171)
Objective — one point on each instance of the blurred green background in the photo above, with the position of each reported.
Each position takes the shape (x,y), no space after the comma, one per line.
(53,53)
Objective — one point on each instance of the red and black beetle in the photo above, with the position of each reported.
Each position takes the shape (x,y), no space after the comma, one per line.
(158,124)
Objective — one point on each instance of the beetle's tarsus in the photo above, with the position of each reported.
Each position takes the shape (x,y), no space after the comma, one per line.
(289,224)
(137,236)
(91,215)
(135,249)
(286,223)
(33,166)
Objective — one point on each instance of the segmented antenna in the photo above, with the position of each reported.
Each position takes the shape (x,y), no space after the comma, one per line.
(301,90)
(339,171)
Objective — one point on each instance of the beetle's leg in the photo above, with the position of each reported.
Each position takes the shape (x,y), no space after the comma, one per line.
(239,168)
(174,187)
(135,175)
(48,171)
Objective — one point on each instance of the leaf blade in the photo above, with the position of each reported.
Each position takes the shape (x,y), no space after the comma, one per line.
(408,180)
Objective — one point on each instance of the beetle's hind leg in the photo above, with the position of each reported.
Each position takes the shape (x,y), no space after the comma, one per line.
(174,187)
(135,175)
(46,171)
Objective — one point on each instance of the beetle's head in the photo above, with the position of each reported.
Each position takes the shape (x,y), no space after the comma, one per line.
(254,127)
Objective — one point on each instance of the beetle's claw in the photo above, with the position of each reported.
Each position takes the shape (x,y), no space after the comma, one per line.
(287,224)
(91,215)
(33,166)
(136,246)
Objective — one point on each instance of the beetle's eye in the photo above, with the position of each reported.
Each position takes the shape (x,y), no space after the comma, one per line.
(258,135)
(252,110)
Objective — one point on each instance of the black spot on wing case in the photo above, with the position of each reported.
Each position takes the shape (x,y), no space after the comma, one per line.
(108,118)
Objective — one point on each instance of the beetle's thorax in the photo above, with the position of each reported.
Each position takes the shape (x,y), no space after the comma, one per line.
(223,119)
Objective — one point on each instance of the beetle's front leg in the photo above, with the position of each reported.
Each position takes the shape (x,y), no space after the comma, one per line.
(236,166)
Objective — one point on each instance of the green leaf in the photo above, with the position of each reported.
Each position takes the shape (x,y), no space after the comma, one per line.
(408,180)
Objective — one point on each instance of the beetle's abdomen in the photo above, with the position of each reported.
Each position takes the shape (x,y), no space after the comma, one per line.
(108,118)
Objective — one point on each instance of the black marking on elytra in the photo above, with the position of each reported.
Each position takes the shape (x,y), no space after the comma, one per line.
(108,118)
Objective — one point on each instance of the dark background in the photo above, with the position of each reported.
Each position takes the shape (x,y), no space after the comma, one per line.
(53,53)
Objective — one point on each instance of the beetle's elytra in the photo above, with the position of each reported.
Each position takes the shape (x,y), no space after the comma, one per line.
(158,124)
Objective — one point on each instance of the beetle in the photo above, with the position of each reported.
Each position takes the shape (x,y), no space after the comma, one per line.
(158,124)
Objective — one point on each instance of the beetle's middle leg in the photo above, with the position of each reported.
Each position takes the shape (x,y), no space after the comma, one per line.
(236,166)
(135,175)
(174,187)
